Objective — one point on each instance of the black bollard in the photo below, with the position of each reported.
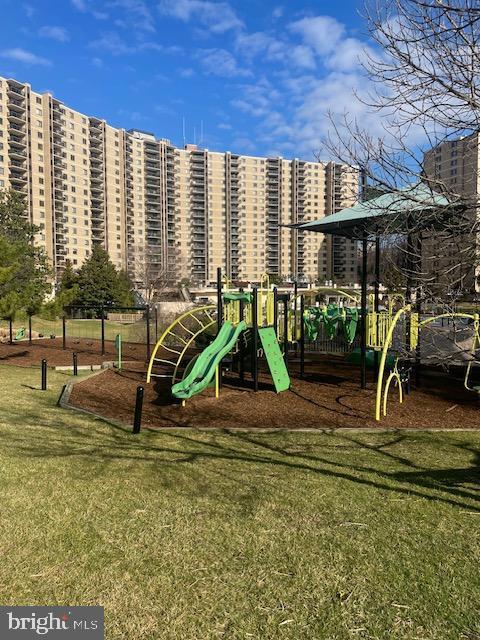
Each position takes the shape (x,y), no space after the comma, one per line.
(75,365)
(44,375)
(137,419)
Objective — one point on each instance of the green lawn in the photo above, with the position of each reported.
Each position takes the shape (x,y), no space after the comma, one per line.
(192,536)
(91,328)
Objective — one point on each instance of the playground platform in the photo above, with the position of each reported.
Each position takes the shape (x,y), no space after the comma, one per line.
(329,397)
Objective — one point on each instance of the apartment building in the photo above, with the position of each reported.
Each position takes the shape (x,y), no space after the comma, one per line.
(454,168)
(165,211)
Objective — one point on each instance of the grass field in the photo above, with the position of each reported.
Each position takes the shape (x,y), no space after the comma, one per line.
(91,328)
(187,535)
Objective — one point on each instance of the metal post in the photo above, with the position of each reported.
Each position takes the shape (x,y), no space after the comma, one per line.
(103,331)
(137,418)
(64,332)
(75,365)
(148,333)
(241,350)
(275,310)
(29,330)
(219,299)
(418,305)
(156,323)
(255,338)
(44,375)
(295,292)
(285,331)
(10,328)
(302,337)
(219,316)
(377,297)
(363,317)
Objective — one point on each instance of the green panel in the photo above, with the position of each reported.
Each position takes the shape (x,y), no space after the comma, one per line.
(275,360)
(203,370)
(232,296)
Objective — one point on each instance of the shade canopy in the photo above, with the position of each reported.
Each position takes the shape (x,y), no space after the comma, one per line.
(367,217)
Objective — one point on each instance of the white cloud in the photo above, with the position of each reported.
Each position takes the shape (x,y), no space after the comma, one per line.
(186,73)
(29,10)
(225,126)
(302,56)
(244,144)
(322,33)
(278,12)
(21,55)
(133,116)
(219,17)
(112,43)
(55,33)
(80,5)
(349,54)
(137,13)
(221,62)
(259,42)
(97,62)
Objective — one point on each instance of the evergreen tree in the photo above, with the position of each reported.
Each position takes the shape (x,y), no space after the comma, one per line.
(99,283)
(24,272)
(13,219)
(69,277)
(125,289)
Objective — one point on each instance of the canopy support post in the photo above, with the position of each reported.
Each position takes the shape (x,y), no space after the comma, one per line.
(363,316)
(377,296)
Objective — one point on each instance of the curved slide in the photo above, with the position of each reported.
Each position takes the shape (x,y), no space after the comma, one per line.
(204,368)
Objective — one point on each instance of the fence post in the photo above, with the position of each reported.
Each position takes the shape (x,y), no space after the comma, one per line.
(103,331)
(10,327)
(30,330)
(137,418)
(44,375)
(75,365)
(156,323)
(64,331)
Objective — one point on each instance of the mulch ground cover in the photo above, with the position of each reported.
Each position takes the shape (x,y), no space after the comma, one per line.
(88,352)
(328,397)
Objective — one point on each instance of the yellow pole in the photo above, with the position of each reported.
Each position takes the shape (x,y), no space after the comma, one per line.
(381,369)
(217,383)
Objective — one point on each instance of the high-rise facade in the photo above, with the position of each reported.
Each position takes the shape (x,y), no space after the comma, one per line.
(163,211)
(454,167)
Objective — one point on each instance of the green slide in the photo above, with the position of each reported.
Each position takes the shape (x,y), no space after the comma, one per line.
(203,370)
(274,357)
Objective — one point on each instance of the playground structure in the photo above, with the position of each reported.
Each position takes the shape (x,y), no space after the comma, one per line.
(259,322)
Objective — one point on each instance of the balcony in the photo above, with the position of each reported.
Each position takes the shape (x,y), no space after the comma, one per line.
(16,178)
(16,128)
(15,90)
(18,164)
(16,118)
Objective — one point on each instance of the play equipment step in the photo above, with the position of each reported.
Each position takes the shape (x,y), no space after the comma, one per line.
(274,357)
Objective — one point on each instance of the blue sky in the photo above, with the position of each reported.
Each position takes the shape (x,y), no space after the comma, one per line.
(260,75)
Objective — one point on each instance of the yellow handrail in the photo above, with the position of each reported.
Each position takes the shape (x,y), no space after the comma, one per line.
(381,369)
(476,341)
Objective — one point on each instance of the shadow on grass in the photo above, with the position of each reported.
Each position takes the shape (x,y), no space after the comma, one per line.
(171,454)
